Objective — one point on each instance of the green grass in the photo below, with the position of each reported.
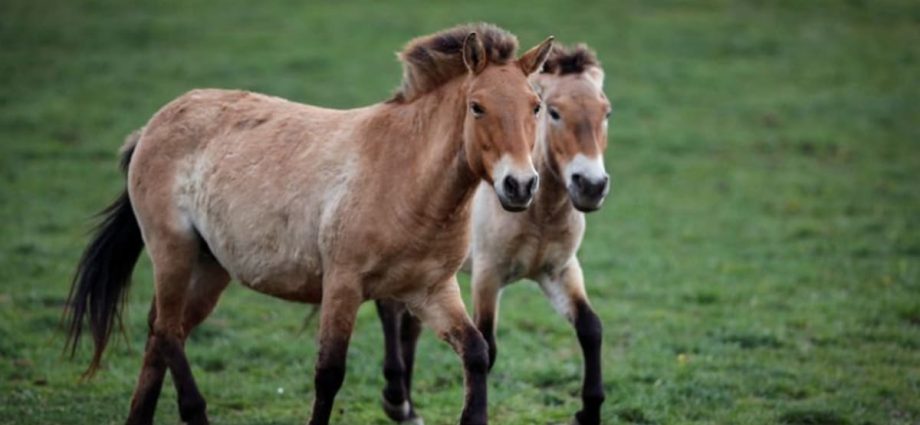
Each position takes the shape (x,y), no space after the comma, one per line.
(757,263)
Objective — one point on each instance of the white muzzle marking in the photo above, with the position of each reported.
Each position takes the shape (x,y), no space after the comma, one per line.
(504,168)
(589,168)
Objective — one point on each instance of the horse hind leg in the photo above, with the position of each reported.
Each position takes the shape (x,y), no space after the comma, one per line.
(186,291)
(410,329)
(400,331)
(150,381)
(209,280)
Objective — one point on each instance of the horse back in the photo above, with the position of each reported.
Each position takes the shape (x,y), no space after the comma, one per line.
(256,177)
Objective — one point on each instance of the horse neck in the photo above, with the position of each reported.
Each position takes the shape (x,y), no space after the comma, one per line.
(441,181)
(552,201)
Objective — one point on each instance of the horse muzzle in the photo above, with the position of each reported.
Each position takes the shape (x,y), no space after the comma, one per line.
(517,193)
(588,194)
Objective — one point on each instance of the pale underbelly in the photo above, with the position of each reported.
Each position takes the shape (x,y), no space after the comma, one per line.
(292,275)
(270,251)
(308,289)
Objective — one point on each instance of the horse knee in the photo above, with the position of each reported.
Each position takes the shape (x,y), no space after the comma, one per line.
(329,376)
(593,397)
(589,328)
(393,372)
(476,358)
(487,327)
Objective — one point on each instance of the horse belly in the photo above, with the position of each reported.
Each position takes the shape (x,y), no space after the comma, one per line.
(267,230)
(305,288)
(284,268)
(268,245)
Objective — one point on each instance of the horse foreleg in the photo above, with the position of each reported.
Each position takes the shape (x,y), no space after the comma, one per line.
(486,291)
(337,320)
(566,291)
(444,312)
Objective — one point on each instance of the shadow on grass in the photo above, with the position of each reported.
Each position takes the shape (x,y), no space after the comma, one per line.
(812,417)
(634,415)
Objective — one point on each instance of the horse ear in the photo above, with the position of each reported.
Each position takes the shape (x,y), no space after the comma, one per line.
(532,61)
(474,55)
(595,75)
(540,82)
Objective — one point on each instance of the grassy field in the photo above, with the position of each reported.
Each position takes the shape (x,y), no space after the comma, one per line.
(758,261)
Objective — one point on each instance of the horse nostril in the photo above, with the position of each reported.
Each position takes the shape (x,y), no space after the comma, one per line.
(531,186)
(596,188)
(511,186)
(578,180)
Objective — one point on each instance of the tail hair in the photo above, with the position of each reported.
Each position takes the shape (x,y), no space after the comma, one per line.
(101,281)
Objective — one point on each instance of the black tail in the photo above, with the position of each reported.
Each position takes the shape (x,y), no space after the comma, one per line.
(101,281)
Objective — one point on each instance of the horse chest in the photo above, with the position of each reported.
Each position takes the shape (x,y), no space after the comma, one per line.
(389,270)
(536,255)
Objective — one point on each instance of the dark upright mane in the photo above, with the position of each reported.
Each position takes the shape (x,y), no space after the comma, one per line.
(432,60)
(570,60)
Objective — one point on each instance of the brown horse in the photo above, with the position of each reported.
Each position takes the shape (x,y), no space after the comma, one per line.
(540,244)
(319,206)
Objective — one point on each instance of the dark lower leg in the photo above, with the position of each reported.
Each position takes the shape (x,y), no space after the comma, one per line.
(410,329)
(486,326)
(589,329)
(474,352)
(445,313)
(339,309)
(330,372)
(486,291)
(395,394)
(150,381)
(173,256)
(192,407)
(149,384)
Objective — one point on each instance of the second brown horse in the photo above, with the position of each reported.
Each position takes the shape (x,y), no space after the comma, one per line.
(540,244)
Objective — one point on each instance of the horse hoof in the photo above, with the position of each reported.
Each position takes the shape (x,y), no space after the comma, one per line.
(587,421)
(415,420)
(401,413)
(197,417)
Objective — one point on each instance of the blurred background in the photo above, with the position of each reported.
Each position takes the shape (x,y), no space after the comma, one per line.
(758,260)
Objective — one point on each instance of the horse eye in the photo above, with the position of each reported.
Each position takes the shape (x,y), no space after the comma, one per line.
(477,109)
(554,114)
(536,109)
